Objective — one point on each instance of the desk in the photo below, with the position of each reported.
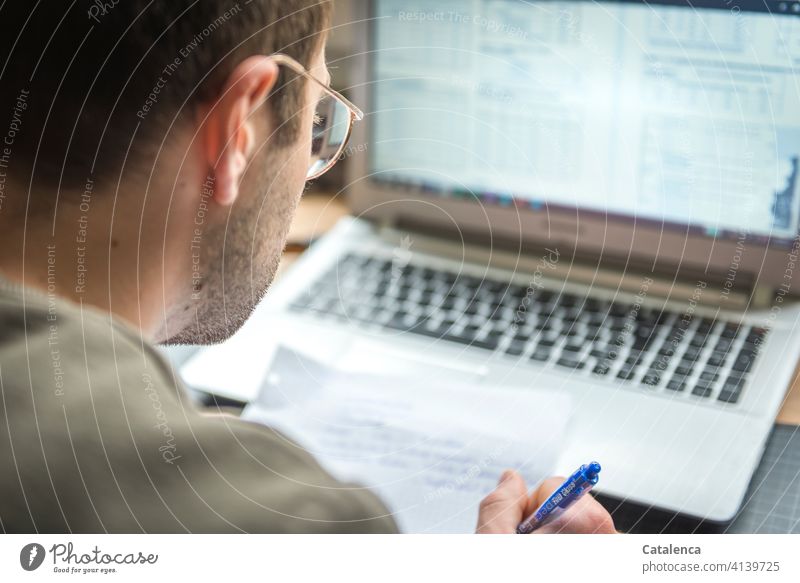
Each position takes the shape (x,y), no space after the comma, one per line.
(318,212)
(790,413)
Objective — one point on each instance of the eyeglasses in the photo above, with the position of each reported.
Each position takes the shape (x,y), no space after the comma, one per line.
(333,122)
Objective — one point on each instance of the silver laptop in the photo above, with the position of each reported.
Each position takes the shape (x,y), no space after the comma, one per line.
(599,198)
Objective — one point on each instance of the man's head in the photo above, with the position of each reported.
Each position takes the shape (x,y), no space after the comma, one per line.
(168,130)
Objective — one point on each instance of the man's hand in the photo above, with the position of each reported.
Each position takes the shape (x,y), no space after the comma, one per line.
(502,510)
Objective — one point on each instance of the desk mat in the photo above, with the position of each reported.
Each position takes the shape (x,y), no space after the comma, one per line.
(772,503)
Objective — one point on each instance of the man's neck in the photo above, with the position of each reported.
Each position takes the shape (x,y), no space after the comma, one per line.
(73,260)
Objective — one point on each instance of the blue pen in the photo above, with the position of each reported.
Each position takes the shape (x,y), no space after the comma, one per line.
(567,493)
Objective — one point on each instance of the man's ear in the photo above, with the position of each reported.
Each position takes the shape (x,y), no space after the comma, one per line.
(228,131)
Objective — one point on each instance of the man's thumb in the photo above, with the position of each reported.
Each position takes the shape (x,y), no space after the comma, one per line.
(501,511)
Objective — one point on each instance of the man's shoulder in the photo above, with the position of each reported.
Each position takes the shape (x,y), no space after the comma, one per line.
(275,484)
(127,450)
(61,350)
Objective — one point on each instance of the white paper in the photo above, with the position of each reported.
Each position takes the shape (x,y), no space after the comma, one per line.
(430,451)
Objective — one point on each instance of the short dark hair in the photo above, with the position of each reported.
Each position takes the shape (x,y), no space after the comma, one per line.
(84,86)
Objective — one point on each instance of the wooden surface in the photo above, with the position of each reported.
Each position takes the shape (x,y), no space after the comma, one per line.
(790,413)
(318,212)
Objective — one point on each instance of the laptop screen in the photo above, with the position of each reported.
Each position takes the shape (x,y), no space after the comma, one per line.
(687,115)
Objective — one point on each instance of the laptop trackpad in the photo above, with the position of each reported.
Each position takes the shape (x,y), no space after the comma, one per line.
(375,357)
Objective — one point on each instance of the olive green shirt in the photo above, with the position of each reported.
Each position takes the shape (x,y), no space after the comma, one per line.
(96,435)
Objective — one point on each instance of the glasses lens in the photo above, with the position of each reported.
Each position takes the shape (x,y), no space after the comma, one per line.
(331,129)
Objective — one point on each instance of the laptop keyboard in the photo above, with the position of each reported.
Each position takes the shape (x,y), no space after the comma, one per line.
(657,350)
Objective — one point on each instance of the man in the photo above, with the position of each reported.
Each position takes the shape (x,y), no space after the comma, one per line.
(153,155)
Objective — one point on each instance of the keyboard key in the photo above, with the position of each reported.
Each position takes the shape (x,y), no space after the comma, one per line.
(495,333)
(471,329)
(651,378)
(755,335)
(633,360)
(469,340)
(541,355)
(593,334)
(570,363)
(698,341)
(667,350)
(691,354)
(706,324)
(744,361)
(449,303)
(570,315)
(724,345)
(601,369)
(596,320)
(517,347)
(735,382)
(486,343)
(732,389)
(474,308)
(730,331)
(731,397)
(626,373)
(397,322)
(677,385)
(659,365)
(435,332)
(703,389)
(640,344)
(709,376)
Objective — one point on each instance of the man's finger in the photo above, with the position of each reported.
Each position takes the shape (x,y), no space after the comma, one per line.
(543,492)
(586,516)
(502,510)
